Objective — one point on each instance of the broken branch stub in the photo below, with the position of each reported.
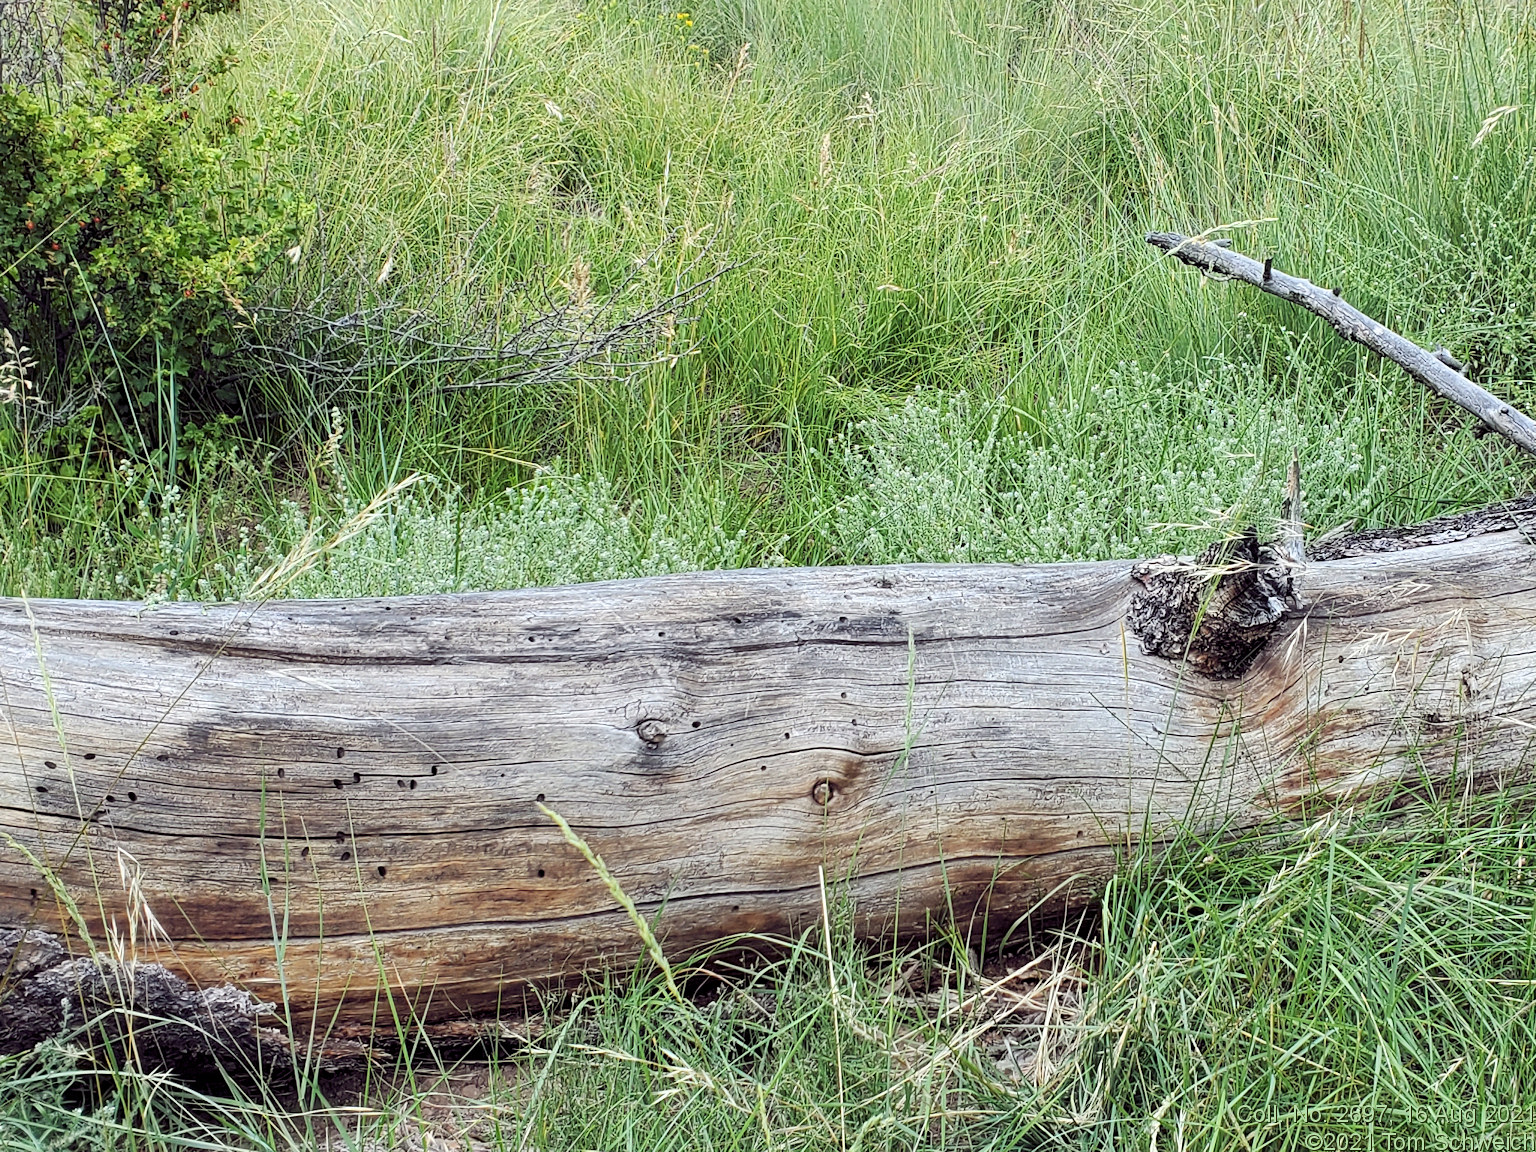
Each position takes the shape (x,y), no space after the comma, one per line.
(1216,612)
(1437,372)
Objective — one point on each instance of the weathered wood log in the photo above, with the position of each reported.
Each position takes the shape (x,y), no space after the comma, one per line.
(328,797)
(1438,371)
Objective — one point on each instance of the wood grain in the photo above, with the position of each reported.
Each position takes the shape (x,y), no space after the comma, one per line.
(328,797)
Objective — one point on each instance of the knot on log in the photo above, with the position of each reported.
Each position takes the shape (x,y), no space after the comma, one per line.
(1218,611)
(652,733)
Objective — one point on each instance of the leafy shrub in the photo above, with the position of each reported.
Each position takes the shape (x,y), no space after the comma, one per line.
(131,223)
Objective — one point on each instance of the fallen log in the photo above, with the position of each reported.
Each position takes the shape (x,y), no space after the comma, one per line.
(319,800)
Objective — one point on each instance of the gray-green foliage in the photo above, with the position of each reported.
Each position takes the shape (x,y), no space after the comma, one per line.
(557,530)
(35,1112)
(1140,462)
(920,489)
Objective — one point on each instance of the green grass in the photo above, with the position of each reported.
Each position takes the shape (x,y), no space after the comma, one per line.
(918,196)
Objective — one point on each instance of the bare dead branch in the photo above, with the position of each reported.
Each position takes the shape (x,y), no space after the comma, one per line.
(31,45)
(1292,545)
(341,346)
(1438,372)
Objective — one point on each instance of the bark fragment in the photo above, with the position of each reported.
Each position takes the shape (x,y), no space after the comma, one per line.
(145,1012)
